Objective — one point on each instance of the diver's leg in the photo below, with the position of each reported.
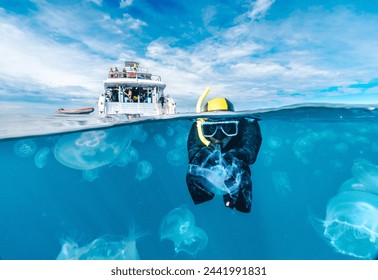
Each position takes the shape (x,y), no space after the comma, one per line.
(241,200)
(198,193)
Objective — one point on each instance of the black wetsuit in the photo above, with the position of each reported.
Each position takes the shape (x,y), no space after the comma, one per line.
(242,149)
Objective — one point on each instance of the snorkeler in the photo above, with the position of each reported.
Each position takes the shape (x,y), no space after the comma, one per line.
(220,151)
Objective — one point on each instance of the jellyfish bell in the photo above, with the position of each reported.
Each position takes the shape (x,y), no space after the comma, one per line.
(144,170)
(176,157)
(25,148)
(367,174)
(160,140)
(176,223)
(352,185)
(218,177)
(127,155)
(195,241)
(179,227)
(41,157)
(89,150)
(351,224)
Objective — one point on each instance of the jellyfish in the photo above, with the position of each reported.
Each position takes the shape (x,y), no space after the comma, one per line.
(351,224)
(170,131)
(160,141)
(180,142)
(129,154)
(220,178)
(301,147)
(281,182)
(367,174)
(90,175)
(139,134)
(25,148)
(41,156)
(194,241)
(89,150)
(176,157)
(176,223)
(144,170)
(103,248)
(274,142)
(179,227)
(341,147)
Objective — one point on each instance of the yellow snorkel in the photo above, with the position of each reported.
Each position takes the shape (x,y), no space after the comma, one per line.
(201,120)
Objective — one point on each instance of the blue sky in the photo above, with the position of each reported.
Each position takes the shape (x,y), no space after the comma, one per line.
(260,53)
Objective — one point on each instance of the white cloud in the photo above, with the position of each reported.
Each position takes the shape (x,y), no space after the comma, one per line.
(129,22)
(260,8)
(97,2)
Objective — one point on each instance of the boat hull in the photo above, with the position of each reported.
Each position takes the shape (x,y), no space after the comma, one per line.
(75,111)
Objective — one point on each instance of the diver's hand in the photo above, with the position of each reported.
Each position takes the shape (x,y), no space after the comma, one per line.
(203,155)
(229,158)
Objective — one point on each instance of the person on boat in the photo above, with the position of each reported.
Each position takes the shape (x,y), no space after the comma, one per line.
(116,72)
(111,73)
(238,140)
(162,100)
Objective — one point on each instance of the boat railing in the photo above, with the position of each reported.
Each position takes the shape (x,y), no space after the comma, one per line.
(135,75)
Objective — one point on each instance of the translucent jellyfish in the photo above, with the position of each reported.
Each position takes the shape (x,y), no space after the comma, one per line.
(281,182)
(180,142)
(303,145)
(367,174)
(220,178)
(341,147)
(129,154)
(103,248)
(352,185)
(351,224)
(170,131)
(144,170)
(89,150)
(195,240)
(139,134)
(160,141)
(176,157)
(25,148)
(274,142)
(267,157)
(91,175)
(179,227)
(41,157)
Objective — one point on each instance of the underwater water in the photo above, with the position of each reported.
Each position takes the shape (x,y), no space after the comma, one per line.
(120,192)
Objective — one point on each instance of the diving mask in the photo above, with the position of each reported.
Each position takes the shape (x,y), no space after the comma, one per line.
(229,128)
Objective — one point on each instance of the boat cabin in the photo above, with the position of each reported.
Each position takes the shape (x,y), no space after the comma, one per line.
(134,91)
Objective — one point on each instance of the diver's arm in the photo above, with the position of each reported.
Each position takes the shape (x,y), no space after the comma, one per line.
(249,142)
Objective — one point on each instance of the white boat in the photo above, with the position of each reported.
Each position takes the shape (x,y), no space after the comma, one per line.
(134,91)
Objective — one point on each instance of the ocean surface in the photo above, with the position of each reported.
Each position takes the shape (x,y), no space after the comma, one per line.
(92,188)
